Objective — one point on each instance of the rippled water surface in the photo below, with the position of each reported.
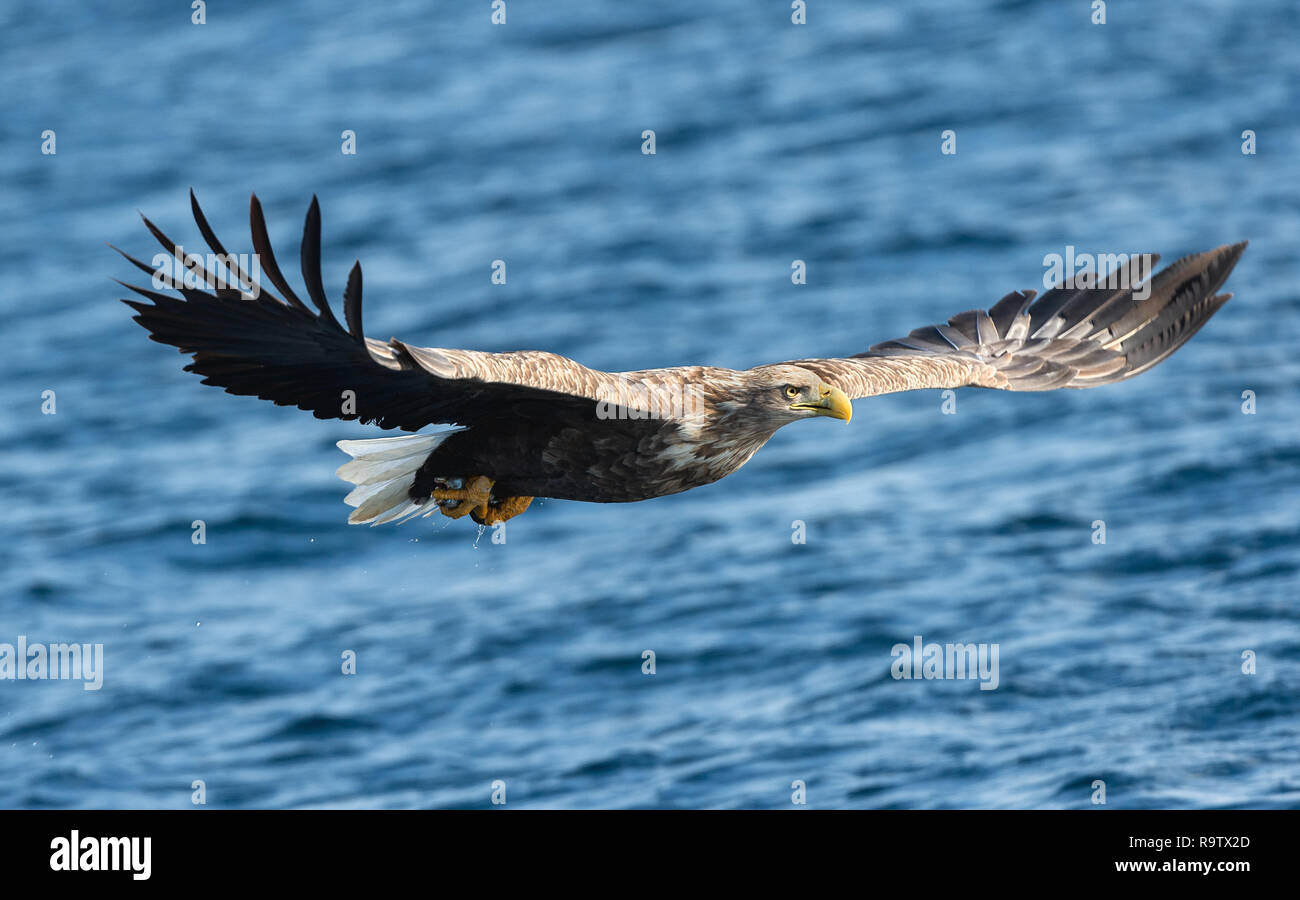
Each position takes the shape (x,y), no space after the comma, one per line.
(522,662)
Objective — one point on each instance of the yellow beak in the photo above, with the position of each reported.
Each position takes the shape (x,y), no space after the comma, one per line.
(834,403)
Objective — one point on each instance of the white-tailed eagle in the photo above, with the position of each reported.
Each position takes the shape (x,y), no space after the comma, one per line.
(534,424)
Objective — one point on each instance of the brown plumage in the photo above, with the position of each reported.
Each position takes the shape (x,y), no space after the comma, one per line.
(535,424)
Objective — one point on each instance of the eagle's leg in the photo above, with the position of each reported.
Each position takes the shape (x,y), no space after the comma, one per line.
(501,508)
(472,498)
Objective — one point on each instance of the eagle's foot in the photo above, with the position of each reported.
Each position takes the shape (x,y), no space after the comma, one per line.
(461,501)
(499,509)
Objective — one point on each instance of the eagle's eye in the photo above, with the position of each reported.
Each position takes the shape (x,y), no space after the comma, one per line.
(791,391)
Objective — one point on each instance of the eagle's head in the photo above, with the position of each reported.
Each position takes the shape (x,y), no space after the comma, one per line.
(774,396)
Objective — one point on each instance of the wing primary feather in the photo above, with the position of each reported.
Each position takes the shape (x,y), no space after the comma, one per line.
(178,252)
(954,336)
(309,257)
(352,303)
(1005,312)
(160,299)
(215,245)
(262,246)
(133,261)
(224,293)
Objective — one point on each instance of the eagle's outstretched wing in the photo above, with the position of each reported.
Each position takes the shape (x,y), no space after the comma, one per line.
(1073,338)
(249,341)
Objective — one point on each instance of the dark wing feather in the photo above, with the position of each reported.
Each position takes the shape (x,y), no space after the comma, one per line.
(352,302)
(310,258)
(253,343)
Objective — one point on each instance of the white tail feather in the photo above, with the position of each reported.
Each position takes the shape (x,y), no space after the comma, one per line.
(382,470)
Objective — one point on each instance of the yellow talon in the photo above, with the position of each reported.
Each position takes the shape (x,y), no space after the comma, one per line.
(498,510)
(473,498)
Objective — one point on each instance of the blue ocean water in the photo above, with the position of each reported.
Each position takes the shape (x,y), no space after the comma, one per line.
(522,662)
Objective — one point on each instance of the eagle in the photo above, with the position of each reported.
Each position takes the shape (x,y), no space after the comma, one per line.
(528,423)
